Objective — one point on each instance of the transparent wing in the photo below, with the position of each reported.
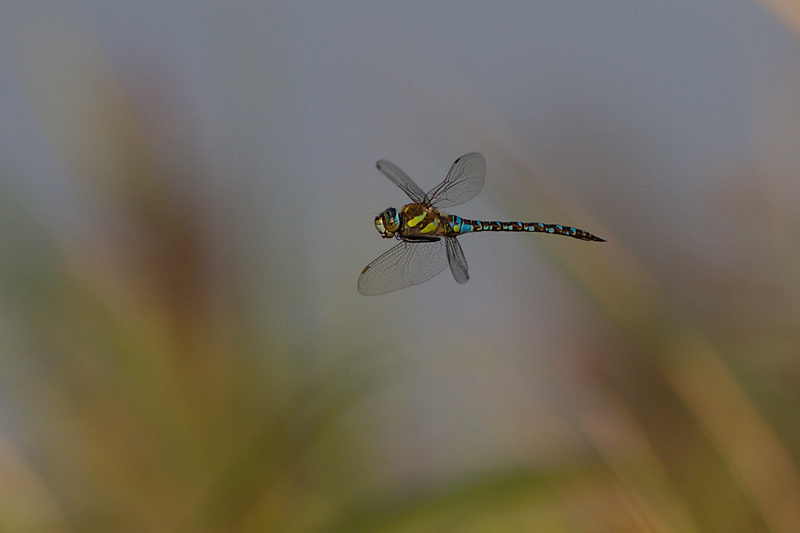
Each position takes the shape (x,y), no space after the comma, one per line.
(401,179)
(462,184)
(408,263)
(458,263)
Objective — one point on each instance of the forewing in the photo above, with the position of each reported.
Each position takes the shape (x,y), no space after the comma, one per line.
(462,184)
(458,263)
(401,179)
(408,263)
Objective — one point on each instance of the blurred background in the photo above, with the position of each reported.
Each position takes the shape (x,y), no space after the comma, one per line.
(187,193)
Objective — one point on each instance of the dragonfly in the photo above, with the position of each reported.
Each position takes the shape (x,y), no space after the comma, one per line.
(428,236)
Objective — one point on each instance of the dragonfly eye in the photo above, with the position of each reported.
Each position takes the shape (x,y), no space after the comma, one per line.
(387,223)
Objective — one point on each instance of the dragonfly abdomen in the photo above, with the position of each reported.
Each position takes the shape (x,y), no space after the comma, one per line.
(464,225)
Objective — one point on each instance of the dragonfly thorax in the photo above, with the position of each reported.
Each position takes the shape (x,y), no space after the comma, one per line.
(388,223)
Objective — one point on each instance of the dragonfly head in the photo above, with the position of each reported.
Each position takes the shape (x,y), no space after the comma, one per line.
(388,223)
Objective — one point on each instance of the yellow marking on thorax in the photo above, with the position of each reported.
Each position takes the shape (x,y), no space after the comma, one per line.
(431,227)
(415,220)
